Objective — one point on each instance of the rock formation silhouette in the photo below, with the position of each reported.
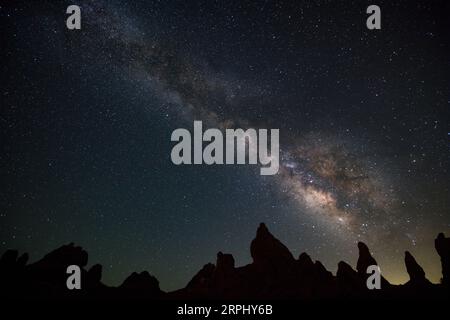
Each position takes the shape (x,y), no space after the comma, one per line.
(365,260)
(349,282)
(273,274)
(415,272)
(141,285)
(442,245)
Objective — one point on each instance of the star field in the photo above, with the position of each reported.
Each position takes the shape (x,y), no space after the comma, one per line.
(87,115)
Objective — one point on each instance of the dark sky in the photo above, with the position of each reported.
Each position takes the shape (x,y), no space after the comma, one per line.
(86,118)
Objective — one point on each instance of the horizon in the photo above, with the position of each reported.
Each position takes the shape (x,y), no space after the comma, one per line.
(360,100)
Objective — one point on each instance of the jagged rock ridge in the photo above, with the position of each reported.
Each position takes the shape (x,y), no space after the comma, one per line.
(273,274)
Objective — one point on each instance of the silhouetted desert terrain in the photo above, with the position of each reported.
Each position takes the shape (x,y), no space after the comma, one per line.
(274,274)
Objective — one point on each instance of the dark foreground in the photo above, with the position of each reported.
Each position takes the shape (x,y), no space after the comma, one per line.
(274,275)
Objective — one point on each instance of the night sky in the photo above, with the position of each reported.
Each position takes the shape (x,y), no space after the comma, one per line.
(86,118)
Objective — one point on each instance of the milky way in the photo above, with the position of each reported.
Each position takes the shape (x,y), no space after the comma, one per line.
(363,135)
(318,172)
